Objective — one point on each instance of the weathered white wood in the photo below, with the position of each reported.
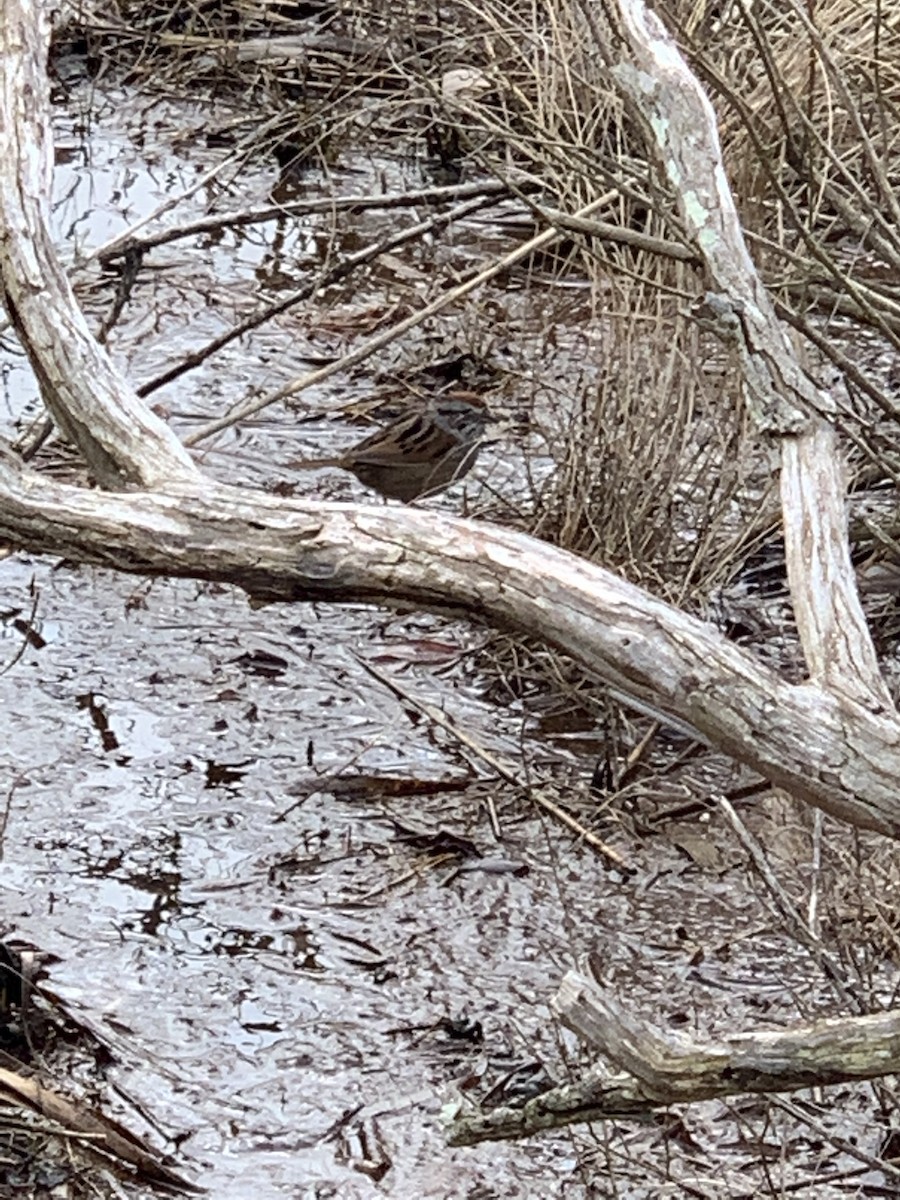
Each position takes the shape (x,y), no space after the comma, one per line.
(674,1068)
(121,439)
(824,748)
(836,640)
(663,1068)
(681,127)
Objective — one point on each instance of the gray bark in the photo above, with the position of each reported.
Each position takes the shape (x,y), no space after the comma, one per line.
(823,747)
(92,405)
(656,1070)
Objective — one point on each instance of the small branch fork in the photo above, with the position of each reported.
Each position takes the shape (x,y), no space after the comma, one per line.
(657,1070)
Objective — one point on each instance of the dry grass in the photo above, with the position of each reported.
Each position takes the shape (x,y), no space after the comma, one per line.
(649,472)
(642,459)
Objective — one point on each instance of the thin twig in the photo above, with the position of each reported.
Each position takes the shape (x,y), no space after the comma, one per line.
(300,208)
(328,278)
(28,628)
(826,961)
(118,243)
(503,766)
(380,340)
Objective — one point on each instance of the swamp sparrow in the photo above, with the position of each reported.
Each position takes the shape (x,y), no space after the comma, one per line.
(424,450)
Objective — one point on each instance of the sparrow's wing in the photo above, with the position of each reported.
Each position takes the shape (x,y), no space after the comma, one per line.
(413,439)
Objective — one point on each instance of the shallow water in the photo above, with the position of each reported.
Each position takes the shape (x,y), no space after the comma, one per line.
(277,967)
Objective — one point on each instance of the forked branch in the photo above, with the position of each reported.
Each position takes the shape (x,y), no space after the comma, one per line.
(656,1070)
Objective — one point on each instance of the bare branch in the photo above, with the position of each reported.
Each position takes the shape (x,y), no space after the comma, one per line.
(681,125)
(131,240)
(122,440)
(664,1069)
(824,748)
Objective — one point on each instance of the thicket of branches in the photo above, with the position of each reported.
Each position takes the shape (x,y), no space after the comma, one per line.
(808,117)
(656,470)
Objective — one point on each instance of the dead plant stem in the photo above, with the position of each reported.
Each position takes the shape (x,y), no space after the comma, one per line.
(371,345)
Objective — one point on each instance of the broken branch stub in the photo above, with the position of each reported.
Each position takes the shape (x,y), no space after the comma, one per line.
(649,1070)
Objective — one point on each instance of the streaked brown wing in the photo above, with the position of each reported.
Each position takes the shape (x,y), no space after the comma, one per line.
(413,439)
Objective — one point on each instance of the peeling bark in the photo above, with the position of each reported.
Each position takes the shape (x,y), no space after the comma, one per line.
(824,748)
(658,1070)
(91,404)
(681,128)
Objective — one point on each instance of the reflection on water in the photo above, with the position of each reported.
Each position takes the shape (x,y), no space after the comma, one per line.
(291,965)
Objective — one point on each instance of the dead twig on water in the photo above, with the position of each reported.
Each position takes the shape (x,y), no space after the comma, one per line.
(344,268)
(807,936)
(351,205)
(380,340)
(503,766)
